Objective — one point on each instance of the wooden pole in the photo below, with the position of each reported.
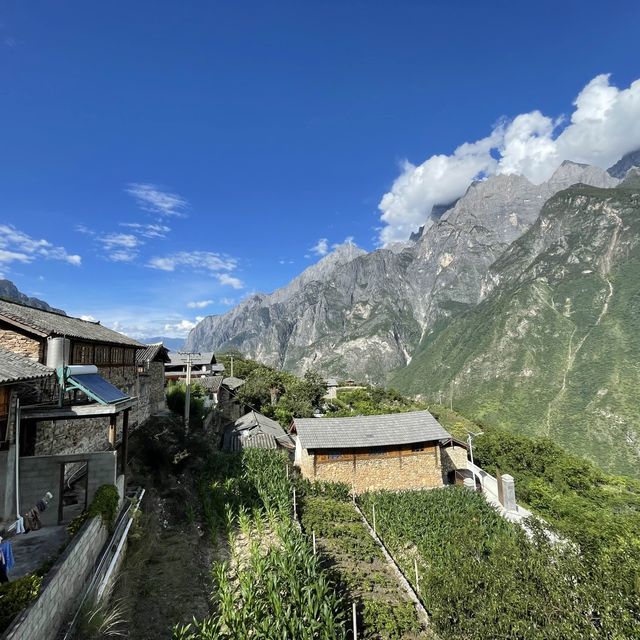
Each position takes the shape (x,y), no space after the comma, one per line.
(295,511)
(112,431)
(314,542)
(125,441)
(355,623)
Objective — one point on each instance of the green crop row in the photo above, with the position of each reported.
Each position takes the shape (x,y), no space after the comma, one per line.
(481,577)
(272,587)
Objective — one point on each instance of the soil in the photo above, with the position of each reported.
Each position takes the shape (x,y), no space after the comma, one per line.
(165,578)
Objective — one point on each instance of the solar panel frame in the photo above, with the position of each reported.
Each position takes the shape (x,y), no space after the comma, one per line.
(95,386)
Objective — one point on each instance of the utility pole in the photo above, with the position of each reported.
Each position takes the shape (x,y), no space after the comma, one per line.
(231,373)
(187,395)
(470,442)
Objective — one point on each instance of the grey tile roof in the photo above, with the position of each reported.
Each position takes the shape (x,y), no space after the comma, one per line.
(256,425)
(14,368)
(210,383)
(180,359)
(232,382)
(153,351)
(236,442)
(368,431)
(49,323)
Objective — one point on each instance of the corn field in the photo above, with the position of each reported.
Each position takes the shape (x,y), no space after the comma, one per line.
(272,586)
(480,577)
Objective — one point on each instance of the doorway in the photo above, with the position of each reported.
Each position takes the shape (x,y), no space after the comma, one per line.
(74,477)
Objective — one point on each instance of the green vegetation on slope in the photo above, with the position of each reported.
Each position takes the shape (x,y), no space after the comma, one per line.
(554,350)
(369,401)
(271,586)
(482,578)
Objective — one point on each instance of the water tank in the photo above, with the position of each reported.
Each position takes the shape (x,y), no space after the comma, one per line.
(57,352)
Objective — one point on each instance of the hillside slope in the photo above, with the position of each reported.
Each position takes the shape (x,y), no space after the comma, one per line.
(554,348)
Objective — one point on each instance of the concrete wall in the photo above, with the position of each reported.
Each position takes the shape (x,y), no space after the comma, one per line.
(61,587)
(421,470)
(39,474)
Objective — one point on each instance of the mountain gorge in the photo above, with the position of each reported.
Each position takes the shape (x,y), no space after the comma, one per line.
(489,301)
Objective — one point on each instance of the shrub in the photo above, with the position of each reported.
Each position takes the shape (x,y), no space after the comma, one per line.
(105,503)
(16,596)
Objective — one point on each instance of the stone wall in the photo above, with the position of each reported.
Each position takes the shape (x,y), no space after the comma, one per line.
(420,470)
(454,457)
(39,474)
(19,343)
(150,392)
(61,587)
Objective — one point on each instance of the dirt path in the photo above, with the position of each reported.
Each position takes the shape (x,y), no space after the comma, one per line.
(165,579)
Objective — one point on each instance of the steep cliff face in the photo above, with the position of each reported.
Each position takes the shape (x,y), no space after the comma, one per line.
(363,315)
(554,347)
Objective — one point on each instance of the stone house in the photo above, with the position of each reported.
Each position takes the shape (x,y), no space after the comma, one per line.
(202,364)
(151,362)
(228,402)
(395,451)
(255,431)
(30,332)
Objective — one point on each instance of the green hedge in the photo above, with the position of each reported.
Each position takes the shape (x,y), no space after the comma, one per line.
(16,596)
(104,503)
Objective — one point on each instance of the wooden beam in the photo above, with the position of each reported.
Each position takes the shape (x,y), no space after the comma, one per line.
(125,441)
(113,418)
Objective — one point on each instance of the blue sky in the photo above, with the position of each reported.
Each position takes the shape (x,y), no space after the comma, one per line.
(154,155)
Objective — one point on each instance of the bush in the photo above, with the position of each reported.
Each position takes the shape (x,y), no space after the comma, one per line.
(105,503)
(16,596)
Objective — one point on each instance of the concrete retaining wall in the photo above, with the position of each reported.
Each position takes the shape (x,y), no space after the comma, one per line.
(62,585)
(39,474)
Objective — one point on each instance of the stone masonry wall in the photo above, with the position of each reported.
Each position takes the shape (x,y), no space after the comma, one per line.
(415,471)
(19,343)
(62,586)
(453,458)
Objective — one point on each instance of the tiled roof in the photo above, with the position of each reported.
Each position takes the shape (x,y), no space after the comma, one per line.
(368,431)
(180,359)
(210,383)
(232,383)
(256,430)
(48,323)
(14,368)
(152,352)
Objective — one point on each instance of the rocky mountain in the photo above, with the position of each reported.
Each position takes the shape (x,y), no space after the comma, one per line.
(554,347)
(9,291)
(363,315)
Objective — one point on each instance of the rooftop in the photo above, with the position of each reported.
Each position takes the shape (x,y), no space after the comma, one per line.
(232,382)
(255,430)
(211,383)
(369,431)
(197,359)
(152,352)
(48,323)
(15,368)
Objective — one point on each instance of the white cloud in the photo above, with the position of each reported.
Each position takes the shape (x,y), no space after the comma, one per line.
(227,302)
(199,304)
(16,246)
(150,197)
(604,126)
(321,248)
(196,260)
(231,281)
(182,328)
(88,318)
(148,230)
(120,247)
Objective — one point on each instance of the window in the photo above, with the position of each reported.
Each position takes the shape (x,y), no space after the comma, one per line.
(416,448)
(116,355)
(103,355)
(129,356)
(82,353)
